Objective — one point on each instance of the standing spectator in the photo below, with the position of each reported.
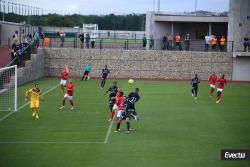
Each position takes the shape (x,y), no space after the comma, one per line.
(36,38)
(92,39)
(177,41)
(15,38)
(187,41)
(151,42)
(62,38)
(170,41)
(245,42)
(207,42)
(214,42)
(87,40)
(164,42)
(248,45)
(144,42)
(222,43)
(29,37)
(167,42)
(81,36)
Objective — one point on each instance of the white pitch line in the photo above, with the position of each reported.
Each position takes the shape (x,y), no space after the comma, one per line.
(51,142)
(108,132)
(24,105)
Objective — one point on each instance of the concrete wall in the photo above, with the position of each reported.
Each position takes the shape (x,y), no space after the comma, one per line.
(239,22)
(8,29)
(138,63)
(241,68)
(34,69)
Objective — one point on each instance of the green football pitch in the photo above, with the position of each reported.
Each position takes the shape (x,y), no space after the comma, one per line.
(174,129)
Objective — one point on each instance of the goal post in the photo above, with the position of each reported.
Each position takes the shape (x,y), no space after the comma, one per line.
(8,88)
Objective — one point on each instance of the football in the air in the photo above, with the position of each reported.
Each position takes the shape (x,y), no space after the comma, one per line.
(131,81)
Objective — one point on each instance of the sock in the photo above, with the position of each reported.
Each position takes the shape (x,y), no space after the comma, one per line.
(195,93)
(112,114)
(62,88)
(211,91)
(192,90)
(118,126)
(72,103)
(128,125)
(218,96)
(63,102)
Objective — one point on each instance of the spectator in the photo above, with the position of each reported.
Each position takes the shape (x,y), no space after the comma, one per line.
(87,40)
(187,41)
(29,37)
(222,43)
(15,38)
(81,36)
(177,41)
(151,42)
(164,42)
(92,39)
(214,42)
(207,42)
(62,38)
(248,45)
(36,39)
(144,42)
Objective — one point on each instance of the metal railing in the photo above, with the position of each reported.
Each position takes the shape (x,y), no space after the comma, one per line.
(23,56)
(137,44)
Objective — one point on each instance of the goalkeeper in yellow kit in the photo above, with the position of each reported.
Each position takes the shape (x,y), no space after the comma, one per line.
(34,95)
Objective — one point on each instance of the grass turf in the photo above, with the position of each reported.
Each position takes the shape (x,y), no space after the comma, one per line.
(174,129)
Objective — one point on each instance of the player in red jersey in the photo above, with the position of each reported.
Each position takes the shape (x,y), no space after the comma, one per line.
(119,108)
(212,80)
(221,83)
(63,82)
(69,95)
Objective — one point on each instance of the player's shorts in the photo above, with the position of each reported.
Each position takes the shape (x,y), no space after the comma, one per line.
(86,73)
(34,104)
(68,97)
(63,82)
(195,87)
(119,113)
(111,105)
(212,86)
(219,90)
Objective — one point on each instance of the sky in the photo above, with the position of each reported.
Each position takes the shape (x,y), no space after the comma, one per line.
(101,7)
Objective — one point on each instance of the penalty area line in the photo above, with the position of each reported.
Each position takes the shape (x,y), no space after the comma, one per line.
(108,132)
(24,105)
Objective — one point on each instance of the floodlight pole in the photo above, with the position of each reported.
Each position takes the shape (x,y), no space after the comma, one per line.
(195,7)
(159,4)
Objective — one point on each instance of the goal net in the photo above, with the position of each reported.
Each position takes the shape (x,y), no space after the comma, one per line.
(8,88)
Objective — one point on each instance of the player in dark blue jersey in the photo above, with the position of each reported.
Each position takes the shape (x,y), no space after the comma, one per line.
(112,98)
(194,82)
(105,73)
(132,98)
(112,88)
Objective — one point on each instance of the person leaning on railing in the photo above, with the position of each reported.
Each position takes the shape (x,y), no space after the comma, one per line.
(222,43)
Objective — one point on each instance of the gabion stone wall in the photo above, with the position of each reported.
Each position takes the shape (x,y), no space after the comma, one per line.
(142,64)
